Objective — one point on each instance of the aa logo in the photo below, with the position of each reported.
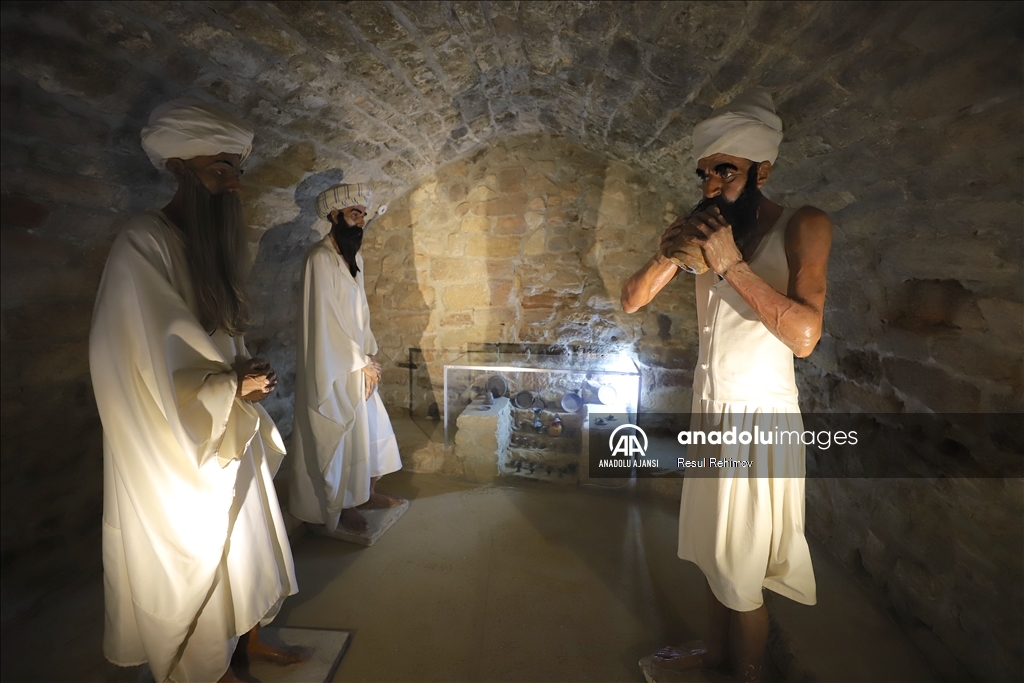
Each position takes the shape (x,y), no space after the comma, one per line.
(628,445)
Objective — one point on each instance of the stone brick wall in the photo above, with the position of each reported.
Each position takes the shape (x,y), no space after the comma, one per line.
(924,314)
(532,152)
(528,240)
(66,188)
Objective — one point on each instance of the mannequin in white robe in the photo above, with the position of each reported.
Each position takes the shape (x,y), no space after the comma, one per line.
(343,440)
(194,544)
(195,550)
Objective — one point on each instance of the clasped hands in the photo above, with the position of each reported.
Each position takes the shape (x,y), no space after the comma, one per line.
(372,372)
(709,231)
(256,379)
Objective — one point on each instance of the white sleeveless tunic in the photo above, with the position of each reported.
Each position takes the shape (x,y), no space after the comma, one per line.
(745,527)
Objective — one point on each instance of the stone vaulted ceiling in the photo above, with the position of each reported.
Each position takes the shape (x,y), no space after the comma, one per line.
(392,90)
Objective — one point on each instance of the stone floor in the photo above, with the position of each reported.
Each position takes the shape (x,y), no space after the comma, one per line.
(524,582)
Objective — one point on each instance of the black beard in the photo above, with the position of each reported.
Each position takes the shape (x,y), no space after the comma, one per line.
(349,239)
(217,254)
(740,214)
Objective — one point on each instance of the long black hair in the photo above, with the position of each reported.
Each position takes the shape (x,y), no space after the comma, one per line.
(217,254)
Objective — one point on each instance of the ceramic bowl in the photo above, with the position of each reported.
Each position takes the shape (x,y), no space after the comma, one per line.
(571,402)
(497,386)
(523,400)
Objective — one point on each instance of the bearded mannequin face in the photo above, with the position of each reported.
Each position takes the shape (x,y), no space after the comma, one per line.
(354,216)
(733,185)
(347,230)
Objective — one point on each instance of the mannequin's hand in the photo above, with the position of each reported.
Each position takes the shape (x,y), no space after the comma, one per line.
(256,379)
(681,229)
(718,246)
(372,373)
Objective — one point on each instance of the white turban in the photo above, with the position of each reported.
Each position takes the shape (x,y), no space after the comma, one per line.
(747,127)
(341,196)
(185,129)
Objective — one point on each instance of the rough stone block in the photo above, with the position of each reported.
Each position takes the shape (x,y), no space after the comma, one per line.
(1004,321)
(482,194)
(852,398)
(24,249)
(510,205)
(500,269)
(932,386)
(510,225)
(445,269)
(48,321)
(64,66)
(533,319)
(476,224)
(511,179)
(464,297)
(546,301)
(41,282)
(535,244)
(488,246)
(62,189)
(32,364)
(501,293)
(411,299)
(476,440)
(22,212)
(483,439)
(977,259)
(984,360)
(559,245)
(540,186)
(460,319)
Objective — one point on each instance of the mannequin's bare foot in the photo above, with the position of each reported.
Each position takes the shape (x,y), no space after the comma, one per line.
(282,656)
(353,522)
(260,651)
(381,500)
(687,657)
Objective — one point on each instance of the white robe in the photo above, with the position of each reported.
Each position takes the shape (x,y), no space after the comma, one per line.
(195,550)
(341,439)
(745,527)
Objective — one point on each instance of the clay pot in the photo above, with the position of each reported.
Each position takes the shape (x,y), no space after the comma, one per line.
(555,428)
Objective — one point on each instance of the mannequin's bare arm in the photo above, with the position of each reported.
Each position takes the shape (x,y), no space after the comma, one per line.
(795,317)
(641,288)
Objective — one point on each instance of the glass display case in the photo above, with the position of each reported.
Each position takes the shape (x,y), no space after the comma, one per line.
(525,412)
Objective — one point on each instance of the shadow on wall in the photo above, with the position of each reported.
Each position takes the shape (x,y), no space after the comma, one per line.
(276,287)
(528,240)
(72,175)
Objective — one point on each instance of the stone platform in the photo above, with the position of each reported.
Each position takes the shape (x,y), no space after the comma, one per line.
(379,520)
(482,439)
(328,645)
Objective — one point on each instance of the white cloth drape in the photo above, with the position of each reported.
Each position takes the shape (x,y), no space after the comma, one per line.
(195,549)
(340,439)
(745,527)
